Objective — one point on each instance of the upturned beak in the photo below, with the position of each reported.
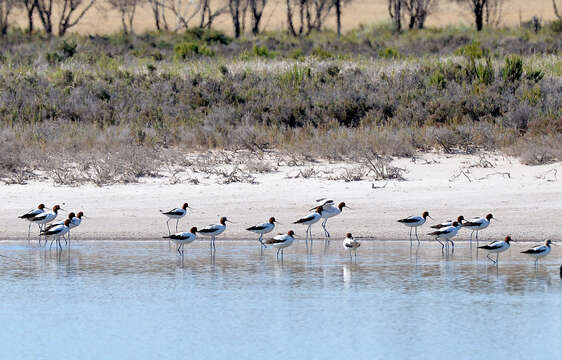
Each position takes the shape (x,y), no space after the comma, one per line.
(429,216)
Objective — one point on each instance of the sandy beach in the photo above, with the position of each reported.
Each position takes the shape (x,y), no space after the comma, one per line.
(526,200)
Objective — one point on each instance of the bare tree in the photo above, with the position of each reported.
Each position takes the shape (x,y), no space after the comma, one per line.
(127,9)
(187,12)
(556,10)
(6,7)
(417,11)
(234,9)
(493,12)
(70,13)
(311,15)
(477,8)
(158,14)
(395,12)
(257,7)
(30,6)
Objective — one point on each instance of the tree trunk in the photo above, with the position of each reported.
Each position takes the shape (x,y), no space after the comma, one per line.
(234,6)
(338,16)
(398,14)
(479,16)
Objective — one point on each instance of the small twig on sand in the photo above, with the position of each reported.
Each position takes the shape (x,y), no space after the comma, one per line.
(378,187)
(545,176)
(504,174)
(461,172)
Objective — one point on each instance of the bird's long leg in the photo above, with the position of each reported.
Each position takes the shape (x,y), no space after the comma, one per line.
(310,231)
(278,253)
(477,242)
(282,253)
(28,231)
(58,242)
(489,258)
(411,233)
(168,226)
(214,247)
(442,245)
(178,249)
(326,232)
(177,221)
(497,258)
(536,262)
(417,235)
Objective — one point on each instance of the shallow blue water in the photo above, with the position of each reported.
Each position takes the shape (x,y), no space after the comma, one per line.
(138,300)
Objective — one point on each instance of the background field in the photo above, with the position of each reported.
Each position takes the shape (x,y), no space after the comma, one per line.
(102,21)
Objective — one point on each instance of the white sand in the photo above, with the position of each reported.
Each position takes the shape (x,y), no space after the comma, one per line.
(528,203)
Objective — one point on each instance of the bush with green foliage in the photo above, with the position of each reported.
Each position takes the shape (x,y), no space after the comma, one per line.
(513,69)
(185,50)
(389,53)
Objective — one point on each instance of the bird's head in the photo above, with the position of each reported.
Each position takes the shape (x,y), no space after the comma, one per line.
(193,230)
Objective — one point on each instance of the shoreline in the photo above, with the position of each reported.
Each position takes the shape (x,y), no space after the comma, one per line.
(520,196)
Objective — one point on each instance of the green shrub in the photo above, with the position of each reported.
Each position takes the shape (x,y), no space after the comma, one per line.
(390,53)
(186,50)
(296,54)
(472,51)
(534,75)
(480,72)
(437,79)
(513,69)
(208,36)
(321,53)
(295,76)
(64,50)
(263,51)
(556,26)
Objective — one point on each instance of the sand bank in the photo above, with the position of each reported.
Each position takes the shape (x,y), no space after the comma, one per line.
(526,199)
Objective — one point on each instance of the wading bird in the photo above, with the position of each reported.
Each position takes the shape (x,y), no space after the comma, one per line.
(56,232)
(539,251)
(309,220)
(446,234)
(182,238)
(413,222)
(497,247)
(213,231)
(177,214)
(447,223)
(351,244)
(45,218)
(263,229)
(31,214)
(281,242)
(477,224)
(329,211)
